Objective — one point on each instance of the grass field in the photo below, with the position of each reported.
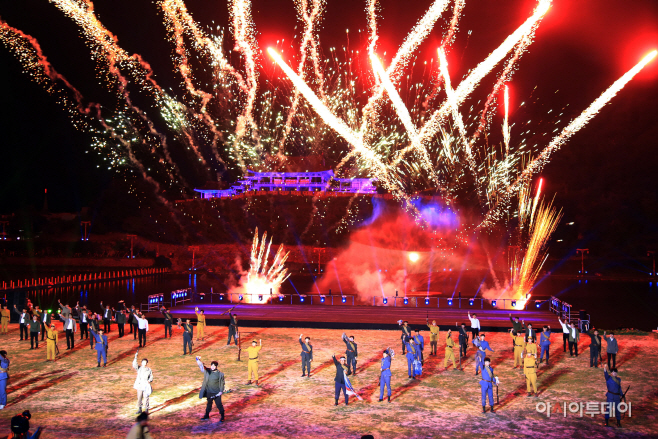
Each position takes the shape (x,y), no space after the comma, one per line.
(74,399)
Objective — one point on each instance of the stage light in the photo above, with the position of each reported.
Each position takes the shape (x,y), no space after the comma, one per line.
(344,299)
(413,257)
(221,297)
(449,302)
(406,301)
(321,299)
(301,298)
(427,301)
(386,300)
(513,303)
(470,302)
(280,298)
(537,304)
(493,303)
(240,297)
(260,297)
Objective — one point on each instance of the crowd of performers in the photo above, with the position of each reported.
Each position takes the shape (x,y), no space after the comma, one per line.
(531,349)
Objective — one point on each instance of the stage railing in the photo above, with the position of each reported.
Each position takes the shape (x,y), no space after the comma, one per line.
(561,308)
(463,303)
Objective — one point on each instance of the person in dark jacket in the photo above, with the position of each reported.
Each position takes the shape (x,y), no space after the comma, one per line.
(341,370)
(233,329)
(83,318)
(594,348)
(121,321)
(168,320)
(613,395)
(613,348)
(212,387)
(188,333)
(307,355)
(35,330)
(351,352)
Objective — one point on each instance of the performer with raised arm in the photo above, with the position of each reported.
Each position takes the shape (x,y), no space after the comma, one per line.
(613,395)
(252,364)
(487,381)
(23,321)
(341,378)
(565,333)
(232,328)
(107,318)
(212,387)
(594,348)
(450,352)
(83,320)
(612,348)
(351,352)
(307,355)
(93,324)
(200,324)
(65,309)
(4,377)
(482,345)
(434,336)
(35,330)
(517,326)
(71,328)
(143,328)
(463,340)
(142,383)
(412,358)
(101,346)
(475,325)
(385,374)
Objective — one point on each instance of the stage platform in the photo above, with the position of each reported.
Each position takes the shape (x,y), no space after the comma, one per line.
(356,317)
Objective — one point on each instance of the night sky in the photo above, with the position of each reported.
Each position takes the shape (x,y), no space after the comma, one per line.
(605,178)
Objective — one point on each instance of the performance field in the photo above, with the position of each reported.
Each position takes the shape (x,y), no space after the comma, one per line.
(72,398)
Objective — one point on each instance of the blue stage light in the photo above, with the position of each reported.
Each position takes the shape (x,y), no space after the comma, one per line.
(344,299)
(427,301)
(301,299)
(470,302)
(221,297)
(322,299)
(406,301)
(449,302)
(386,300)
(493,303)
(240,297)
(280,298)
(537,304)
(260,298)
(513,302)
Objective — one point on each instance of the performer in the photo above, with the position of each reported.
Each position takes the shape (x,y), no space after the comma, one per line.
(475,325)
(420,342)
(341,378)
(530,372)
(168,320)
(594,348)
(120,318)
(612,348)
(92,318)
(101,346)
(188,333)
(71,328)
(529,332)
(252,364)
(482,346)
(107,318)
(385,375)
(212,387)
(233,328)
(545,343)
(83,320)
(516,326)
(143,328)
(5,315)
(613,395)
(519,346)
(406,333)
(463,340)
(307,355)
(22,321)
(450,354)
(142,383)
(140,430)
(565,333)
(487,381)
(200,324)
(134,326)
(65,309)
(38,312)
(35,330)
(434,336)
(531,346)
(574,338)
(52,336)
(4,377)
(46,320)
(351,352)
(412,357)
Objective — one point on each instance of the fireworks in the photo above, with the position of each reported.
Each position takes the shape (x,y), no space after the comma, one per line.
(357,119)
(261,282)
